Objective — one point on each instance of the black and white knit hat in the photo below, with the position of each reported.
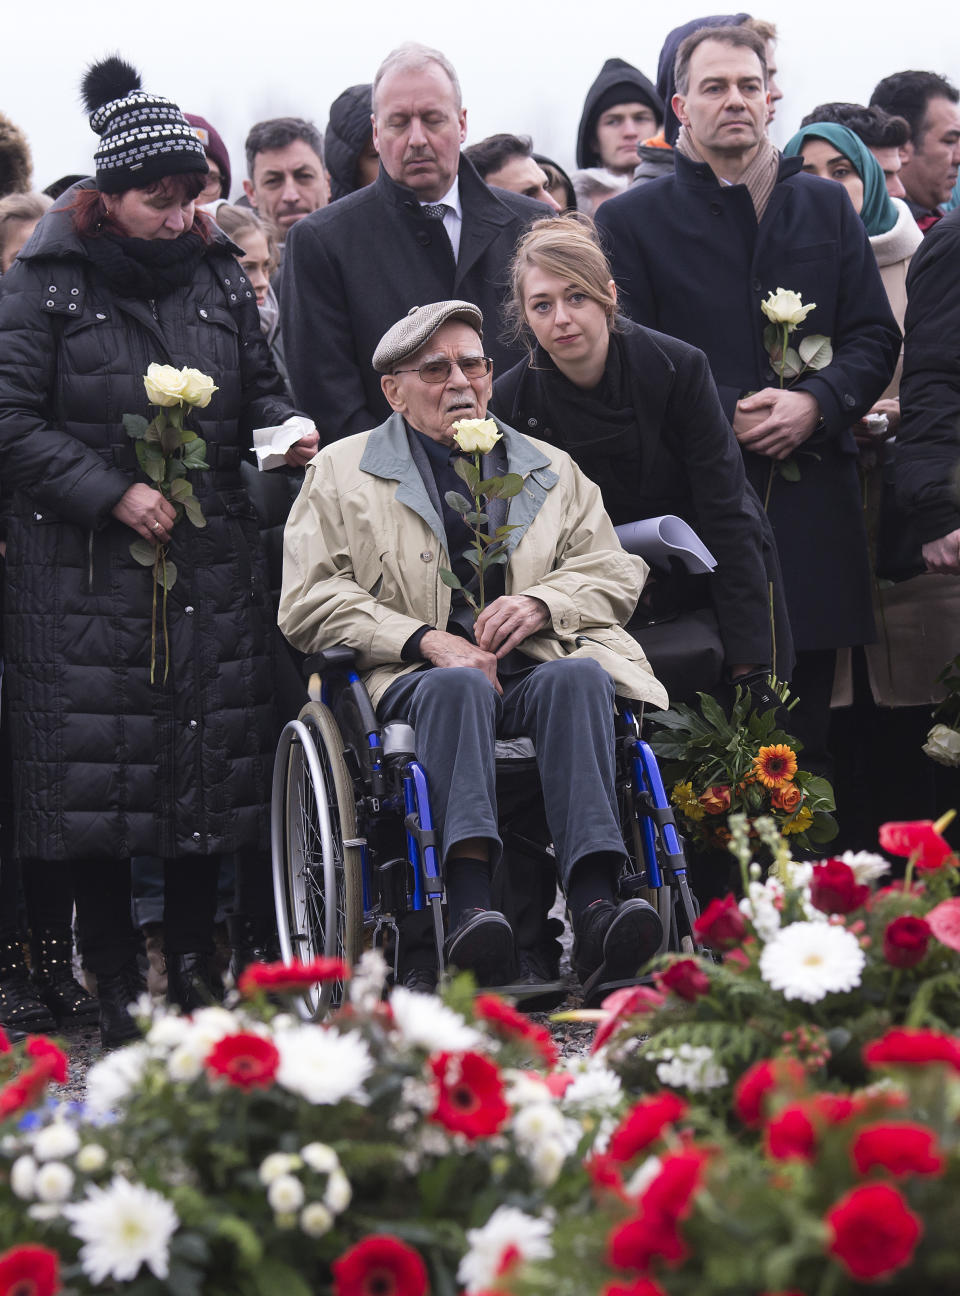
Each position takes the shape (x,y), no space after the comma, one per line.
(143,137)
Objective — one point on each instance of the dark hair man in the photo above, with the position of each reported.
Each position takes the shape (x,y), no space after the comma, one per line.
(507,162)
(694,254)
(931,107)
(286,180)
(883,135)
(428,229)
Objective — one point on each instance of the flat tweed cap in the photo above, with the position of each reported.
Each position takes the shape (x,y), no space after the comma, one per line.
(417,328)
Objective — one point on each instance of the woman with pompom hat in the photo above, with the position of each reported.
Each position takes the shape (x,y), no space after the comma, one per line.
(124,272)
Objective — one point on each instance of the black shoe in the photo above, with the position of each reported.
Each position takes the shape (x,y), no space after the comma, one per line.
(612,942)
(21,1009)
(190,982)
(254,940)
(117,991)
(67,1000)
(421,980)
(482,943)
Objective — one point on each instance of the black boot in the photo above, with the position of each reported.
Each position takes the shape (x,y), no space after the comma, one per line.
(56,985)
(21,1010)
(191,983)
(117,991)
(254,940)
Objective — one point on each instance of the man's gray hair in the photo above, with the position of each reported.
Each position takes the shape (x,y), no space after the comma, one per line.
(412,57)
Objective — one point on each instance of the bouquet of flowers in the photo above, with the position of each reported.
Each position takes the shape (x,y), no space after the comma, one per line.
(943,740)
(743,763)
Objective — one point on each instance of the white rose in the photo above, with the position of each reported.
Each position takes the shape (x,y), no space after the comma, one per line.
(319,1157)
(198,388)
(786,307)
(164,385)
(55,1141)
(476,434)
(315,1220)
(943,745)
(91,1157)
(338,1193)
(54,1182)
(23,1177)
(285,1194)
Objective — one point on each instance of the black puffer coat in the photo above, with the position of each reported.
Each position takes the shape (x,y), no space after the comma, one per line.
(106,764)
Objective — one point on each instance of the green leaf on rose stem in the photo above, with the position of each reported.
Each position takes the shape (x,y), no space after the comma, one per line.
(143,552)
(788,469)
(180,489)
(771,339)
(467,472)
(169,439)
(194,512)
(175,469)
(135,425)
(458,502)
(195,456)
(487,485)
(450,579)
(816,351)
(512,485)
(154,428)
(151,461)
(505,530)
(188,435)
(476,519)
(792,364)
(167,574)
(497,558)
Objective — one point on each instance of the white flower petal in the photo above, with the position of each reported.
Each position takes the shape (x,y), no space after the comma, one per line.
(123,1227)
(809,960)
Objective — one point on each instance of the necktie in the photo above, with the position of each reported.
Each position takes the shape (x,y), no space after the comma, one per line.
(434,211)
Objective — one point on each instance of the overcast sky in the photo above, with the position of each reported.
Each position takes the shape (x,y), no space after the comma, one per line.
(525,67)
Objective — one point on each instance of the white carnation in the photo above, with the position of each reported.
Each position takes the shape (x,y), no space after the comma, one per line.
(594,1086)
(809,960)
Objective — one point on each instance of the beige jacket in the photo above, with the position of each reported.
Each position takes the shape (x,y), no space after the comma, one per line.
(363,548)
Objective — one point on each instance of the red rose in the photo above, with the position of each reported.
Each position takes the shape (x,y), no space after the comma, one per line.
(790,1135)
(665,1201)
(898,1148)
(919,839)
(632,1001)
(380,1265)
(751,1090)
(834,888)
(906,1047)
(290,978)
(505,1020)
(470,1097)
(29,1271)
(905,941)
(51,1060)
(721,925)
(246,1060)
(873,1232)
(644,1124)
(716,799)
(685,978)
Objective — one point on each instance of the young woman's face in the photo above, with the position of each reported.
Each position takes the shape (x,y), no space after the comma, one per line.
(256,261)
(569,325)
(821,158)
(164,211)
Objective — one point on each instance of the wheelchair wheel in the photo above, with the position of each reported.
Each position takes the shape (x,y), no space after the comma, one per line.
(317,870)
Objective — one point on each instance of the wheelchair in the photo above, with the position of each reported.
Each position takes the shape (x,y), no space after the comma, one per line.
(354,846)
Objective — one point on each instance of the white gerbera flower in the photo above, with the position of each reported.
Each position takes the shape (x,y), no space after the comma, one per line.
(691,1067)
(285,1194)
(55,1141)
(54,1182)
(320,1157)
(91,1157)
(808,960)
(23,1177)
(322,1065)
(867,867)
(424,1021)
(315,1220)
(110,1080)
(123,1227)
(507,1228)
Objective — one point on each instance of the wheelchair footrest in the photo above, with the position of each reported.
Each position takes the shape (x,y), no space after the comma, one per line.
(542,997)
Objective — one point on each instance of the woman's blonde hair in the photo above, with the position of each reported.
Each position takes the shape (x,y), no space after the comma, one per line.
(234,220)
(566,246)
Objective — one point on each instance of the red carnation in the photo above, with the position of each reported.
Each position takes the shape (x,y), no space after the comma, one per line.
(380,1265)
(899,1148)
(905,941)
(664,1202)
(470,1097)
(672,1190)
(751,1090)
(685,978)
(906,1047)
(834,1109)
(834,888)
(721,925)
(919,839)
(505,1020)
(873,1232)
(48,1057)
(5,1045)
(605,1173)
(642,1287)
(29,1271)
(790,1135)
(644,1124)
(290,978)
(944,921)
(246,1060)
(632,1001)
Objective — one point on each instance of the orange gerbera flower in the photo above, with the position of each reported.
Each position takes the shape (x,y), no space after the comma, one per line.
(775,765)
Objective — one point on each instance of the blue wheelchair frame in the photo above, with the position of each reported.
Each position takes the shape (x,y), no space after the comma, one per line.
(391,785)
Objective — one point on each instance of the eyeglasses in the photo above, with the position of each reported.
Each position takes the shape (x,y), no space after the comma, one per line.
(438,371)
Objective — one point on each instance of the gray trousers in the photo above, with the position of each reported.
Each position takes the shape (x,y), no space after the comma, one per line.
(565,707)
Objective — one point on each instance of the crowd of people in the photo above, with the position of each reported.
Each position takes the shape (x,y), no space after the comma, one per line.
(621,318)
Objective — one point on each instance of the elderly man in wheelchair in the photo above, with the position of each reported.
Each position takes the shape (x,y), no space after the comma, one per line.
(545,658)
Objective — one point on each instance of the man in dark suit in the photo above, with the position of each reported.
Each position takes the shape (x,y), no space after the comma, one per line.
(428,230)
(694,254)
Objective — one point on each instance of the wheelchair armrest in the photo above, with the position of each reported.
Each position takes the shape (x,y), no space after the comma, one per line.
(329,659)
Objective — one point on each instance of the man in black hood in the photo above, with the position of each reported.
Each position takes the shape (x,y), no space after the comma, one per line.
(622,109)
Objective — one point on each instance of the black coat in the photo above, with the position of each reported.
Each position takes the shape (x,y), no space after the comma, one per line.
(106,764)
(679,457)
(352,269)
(690,259)
(928,444)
